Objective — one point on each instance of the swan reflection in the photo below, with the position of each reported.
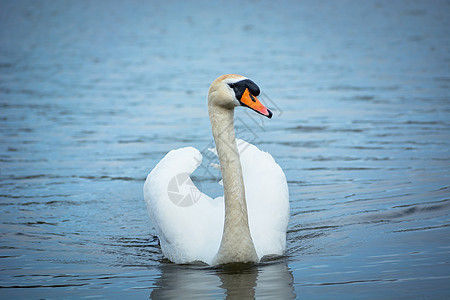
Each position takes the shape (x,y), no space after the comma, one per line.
(266,280)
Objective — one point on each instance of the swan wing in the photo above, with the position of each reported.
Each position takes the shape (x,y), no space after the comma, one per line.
(267,195)
(188,223)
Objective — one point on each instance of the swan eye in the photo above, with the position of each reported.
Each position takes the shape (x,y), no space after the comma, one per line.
(240,87)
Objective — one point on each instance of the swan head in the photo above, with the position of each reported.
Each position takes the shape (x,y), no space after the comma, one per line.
(231,90)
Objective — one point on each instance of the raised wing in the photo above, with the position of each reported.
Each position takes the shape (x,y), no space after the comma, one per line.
(267,195)
(189,224)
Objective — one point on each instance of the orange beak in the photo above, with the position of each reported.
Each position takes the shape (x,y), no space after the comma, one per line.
(252,102)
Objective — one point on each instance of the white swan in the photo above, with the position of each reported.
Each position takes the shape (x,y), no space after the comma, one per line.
(252,221)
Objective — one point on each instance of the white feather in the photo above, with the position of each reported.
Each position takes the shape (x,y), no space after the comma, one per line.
(193,233)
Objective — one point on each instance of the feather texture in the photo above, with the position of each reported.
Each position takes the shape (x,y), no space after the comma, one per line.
(193,233)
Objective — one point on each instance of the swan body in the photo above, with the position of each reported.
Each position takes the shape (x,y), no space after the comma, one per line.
(250,221)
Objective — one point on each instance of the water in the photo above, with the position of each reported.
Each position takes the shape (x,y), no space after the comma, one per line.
(94,93)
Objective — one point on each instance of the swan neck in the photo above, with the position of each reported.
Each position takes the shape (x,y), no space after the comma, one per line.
(237,244)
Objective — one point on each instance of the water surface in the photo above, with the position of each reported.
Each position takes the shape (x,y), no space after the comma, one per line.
(94,93)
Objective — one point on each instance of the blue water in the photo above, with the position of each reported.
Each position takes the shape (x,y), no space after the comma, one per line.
(94,93)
